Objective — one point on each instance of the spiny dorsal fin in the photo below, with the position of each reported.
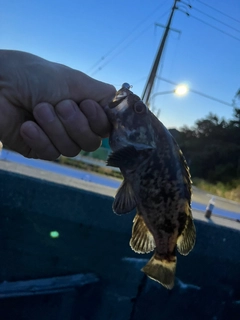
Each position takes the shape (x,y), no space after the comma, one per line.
(185,171)
(186,240)
(187,177)
(142,240)
(125,200)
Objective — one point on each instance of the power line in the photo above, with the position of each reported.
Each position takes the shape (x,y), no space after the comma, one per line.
(211,17)
(199,93)
(119,51)
(210,25)
(223,13)
(124,39)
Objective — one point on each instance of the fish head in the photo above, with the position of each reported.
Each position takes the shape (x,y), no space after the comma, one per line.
(132,121)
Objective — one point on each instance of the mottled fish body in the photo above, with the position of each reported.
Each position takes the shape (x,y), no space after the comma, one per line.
(156,182)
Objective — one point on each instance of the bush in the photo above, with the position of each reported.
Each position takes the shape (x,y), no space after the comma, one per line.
(230,190)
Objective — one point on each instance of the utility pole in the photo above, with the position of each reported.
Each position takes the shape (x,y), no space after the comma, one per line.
(149,84)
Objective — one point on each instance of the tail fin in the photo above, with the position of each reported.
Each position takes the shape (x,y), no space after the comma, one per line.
(161,270)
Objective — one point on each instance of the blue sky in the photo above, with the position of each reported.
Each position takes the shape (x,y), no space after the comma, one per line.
(122,36)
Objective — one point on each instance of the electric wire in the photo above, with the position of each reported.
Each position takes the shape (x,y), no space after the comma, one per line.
(210,25)
(119,51)
(114,48)
(128,43)
(223,13)
(211,17)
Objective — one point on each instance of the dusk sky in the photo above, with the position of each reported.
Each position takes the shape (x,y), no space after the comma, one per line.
(116,42)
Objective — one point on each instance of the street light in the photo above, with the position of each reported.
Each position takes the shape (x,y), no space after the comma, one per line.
(180,90)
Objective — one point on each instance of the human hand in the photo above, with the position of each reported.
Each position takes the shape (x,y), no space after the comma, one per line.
(48,109)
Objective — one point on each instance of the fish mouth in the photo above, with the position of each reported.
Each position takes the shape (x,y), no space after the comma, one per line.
(116,102)
(121,95)
(122,100)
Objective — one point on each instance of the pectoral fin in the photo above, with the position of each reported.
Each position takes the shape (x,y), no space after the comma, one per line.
(129,157)
(125,200)
(142,240)
(186,240)
(125,157)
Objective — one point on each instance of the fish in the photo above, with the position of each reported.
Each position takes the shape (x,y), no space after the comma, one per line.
(156,182)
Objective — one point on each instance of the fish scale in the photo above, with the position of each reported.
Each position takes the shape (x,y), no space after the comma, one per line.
(156,183)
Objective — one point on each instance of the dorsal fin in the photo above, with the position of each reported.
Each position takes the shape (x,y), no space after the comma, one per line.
(186,240)
(185,172)
(125,200)
(142,240)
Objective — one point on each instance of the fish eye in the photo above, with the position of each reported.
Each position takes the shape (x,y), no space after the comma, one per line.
(139,107)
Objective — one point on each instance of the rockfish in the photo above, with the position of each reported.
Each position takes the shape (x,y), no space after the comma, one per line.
(156,182)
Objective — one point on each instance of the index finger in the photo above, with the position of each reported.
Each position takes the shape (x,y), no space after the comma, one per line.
(96,117)
(77,126)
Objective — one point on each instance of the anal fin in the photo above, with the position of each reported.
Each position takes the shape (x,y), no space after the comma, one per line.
(142,240)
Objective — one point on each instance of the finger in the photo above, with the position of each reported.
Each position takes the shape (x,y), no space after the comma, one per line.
(96,117)
(47,119)
(77,126)
(40,145)
(11,119)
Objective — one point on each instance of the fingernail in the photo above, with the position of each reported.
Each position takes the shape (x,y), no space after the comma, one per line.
(44,112)
(65,110)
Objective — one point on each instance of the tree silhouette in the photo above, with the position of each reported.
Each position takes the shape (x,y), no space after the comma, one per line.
(212,146)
